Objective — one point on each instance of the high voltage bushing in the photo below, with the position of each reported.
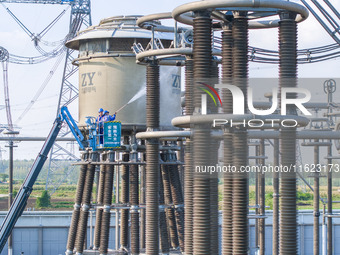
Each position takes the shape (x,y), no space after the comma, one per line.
(152,160)
(227,49)
(201,67)
(329,202)
(214,145)
(276,187)
(189,86)
(168,200)
(163,228)
(107,201)
(188,198)
(76,212)
(86,200)
(142,200)
(240,147)
(99,211)
(134,202)
(173,195)
(124,229)
(188,178)
(316,201)
(152,95)
(288,73)
(214,236)
(177,198)
(202,54)
(202,57)
(261,195)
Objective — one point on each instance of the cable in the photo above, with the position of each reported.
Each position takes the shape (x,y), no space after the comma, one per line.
(41,89)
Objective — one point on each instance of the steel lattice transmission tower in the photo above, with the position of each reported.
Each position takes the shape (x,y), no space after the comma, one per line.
(80,17)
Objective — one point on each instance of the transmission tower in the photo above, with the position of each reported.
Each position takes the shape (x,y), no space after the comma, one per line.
(80,17)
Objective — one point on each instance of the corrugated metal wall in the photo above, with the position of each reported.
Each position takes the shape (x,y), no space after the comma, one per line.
(45,233)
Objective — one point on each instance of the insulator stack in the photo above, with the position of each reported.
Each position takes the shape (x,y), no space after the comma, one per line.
(84,213)
(99,211)
(202,57)
(167,201)
(288,74)
(152,161)
(107,201)
(124,230)
(227,54)
(240,141)
(134,201)
(76,212)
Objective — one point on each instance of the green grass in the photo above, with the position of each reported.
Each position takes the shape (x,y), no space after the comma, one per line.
(304,197)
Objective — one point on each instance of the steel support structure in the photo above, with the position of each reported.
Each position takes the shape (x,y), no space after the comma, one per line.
(80,18)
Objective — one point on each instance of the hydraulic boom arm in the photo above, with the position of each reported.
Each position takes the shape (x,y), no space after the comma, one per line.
(20,200)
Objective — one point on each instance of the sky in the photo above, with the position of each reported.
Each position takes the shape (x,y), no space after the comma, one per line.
(25,80)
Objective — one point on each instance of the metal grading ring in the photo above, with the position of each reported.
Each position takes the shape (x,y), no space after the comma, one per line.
(242,5)
(143,22)
(146,23)
(337,141)
(172,52)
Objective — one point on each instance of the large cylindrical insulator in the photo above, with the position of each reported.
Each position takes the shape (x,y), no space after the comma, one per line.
(227,71)
(329,202)
(227,228)
(152,161)
(177,197)
(134,202)
(188,198)
(107,201)
(188,179)
(163,226)
(262,201)
(189,86)
(213,109)
(124,229)
(142,200)
(202,57)
(202,218)
(168,200)
(77,205)
(86,200)
(276,187)
(288,74)
(214,236)
(202,54)
(227,66)
(152,95)
(99,211)
(240,141)
(240,195)
(316,201)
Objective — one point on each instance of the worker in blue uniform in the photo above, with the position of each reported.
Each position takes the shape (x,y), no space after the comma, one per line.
(100,126)
(100,116)
(108,117)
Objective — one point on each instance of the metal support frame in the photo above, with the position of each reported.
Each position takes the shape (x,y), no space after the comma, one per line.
(329,20)
(80,17)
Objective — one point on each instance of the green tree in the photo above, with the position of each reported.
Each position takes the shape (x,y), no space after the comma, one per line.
(3,177)
(44,200)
